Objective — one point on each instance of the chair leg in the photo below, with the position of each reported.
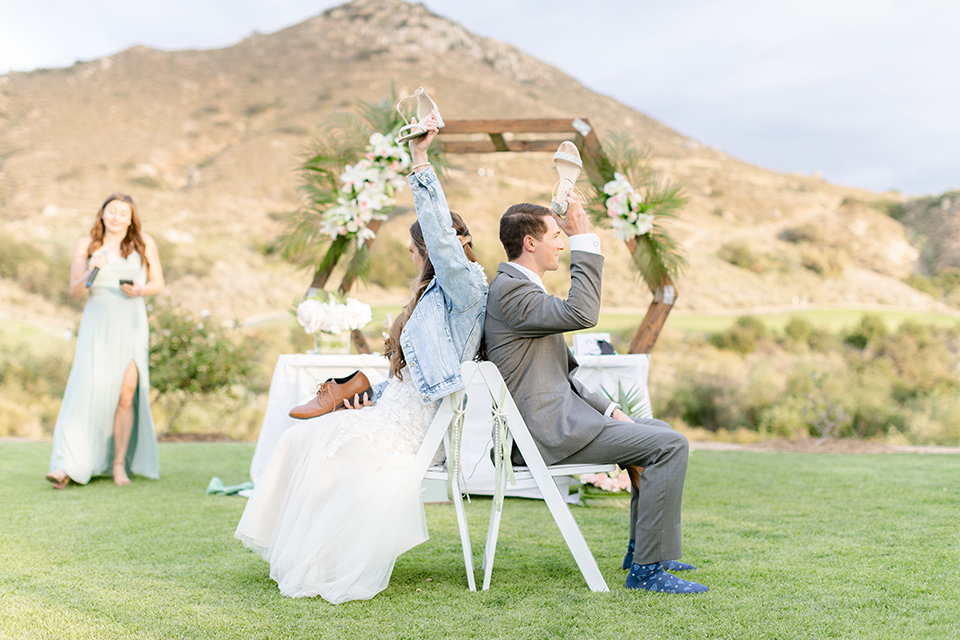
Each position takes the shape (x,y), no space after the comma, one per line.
(464,535)
(493,531)
(571,533)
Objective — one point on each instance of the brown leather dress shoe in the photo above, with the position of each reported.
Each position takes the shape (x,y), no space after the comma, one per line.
(330,395)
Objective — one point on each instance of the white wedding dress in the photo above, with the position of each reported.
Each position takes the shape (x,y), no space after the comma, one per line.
(339,500)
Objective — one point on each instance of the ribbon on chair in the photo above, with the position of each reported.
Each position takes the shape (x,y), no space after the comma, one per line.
(501,450)
(456,439)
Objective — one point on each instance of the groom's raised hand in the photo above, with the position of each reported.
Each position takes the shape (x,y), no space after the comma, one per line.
(575,221)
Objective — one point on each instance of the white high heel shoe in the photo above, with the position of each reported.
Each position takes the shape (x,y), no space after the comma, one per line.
(424,106)
(568,162)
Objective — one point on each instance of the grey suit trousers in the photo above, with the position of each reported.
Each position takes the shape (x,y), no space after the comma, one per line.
(655,501)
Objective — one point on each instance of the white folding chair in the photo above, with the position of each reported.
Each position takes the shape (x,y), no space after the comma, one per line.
(514,429)
(447,427)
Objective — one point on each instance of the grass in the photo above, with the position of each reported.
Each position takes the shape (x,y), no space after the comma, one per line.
(792,546)
(832,320)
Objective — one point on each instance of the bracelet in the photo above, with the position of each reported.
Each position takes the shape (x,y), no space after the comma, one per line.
(417,166)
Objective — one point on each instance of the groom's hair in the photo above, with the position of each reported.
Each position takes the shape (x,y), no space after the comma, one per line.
(518,222)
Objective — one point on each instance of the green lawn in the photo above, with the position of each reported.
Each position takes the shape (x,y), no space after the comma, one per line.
(832,320)
(792,546)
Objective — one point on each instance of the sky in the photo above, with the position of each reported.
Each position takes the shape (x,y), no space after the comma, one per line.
(857,91)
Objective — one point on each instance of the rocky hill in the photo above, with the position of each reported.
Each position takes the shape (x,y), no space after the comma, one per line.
(206,142)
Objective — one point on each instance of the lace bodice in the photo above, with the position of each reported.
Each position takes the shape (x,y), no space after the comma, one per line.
(396,424)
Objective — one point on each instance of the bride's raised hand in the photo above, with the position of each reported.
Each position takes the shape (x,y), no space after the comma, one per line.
(419,146)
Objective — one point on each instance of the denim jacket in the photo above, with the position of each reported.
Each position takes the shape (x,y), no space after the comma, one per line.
(447,323)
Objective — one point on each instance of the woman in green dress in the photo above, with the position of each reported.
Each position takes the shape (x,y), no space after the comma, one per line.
(105,425)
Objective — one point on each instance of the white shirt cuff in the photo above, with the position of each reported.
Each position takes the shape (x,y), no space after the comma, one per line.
(589,242)
(610,409)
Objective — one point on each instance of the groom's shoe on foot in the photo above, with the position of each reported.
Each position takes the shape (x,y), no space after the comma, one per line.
(652,577)
(676,565)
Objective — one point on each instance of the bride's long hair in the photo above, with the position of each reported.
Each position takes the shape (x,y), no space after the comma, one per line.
(392,347)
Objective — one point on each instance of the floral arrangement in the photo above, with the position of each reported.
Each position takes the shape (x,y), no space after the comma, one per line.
(368,190)
(349,182)
(326,313)
(612,482)
(631,197)
(625,209)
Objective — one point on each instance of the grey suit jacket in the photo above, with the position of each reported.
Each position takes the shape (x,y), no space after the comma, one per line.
(524,335)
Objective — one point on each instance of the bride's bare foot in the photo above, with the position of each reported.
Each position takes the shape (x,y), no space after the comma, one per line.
(120,474)
(58,478)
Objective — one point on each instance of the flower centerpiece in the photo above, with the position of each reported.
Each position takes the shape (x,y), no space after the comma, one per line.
(329,314)
(606,489)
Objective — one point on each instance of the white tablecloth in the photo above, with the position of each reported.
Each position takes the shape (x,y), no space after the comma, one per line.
(296,376)
(295,380)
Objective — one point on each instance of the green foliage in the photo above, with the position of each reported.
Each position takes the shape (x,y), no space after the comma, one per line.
(36,271)
(191,356)
(799,329)
(864,382)
(742,337)
(868,332)
(944,286)
(740,255)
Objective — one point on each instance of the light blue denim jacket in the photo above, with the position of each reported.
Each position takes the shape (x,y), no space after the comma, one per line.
(447,323)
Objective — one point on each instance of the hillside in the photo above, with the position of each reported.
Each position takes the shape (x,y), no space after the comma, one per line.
(206,141)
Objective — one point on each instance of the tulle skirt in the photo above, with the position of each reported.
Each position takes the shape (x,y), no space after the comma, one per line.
(339,500)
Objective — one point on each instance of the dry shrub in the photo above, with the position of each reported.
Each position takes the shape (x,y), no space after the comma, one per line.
(828,262)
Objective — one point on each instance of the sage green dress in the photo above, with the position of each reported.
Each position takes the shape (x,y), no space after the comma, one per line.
(113,332)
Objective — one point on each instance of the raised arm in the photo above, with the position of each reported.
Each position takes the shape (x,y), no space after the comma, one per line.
(462,282)
(532,313)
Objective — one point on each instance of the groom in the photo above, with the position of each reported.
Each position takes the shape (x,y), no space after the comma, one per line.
(524,335)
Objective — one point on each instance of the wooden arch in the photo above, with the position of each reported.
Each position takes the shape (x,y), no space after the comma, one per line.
(511,136)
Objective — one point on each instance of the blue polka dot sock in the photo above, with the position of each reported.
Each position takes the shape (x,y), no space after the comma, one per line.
(668,565)
(628,559)
(652,577)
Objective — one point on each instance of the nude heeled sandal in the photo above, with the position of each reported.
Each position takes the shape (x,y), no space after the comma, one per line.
(569,165)
(424,106)
(59,481)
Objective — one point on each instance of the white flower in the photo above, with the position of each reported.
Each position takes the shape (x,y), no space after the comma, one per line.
(309,315)
(359,313)
(645,223)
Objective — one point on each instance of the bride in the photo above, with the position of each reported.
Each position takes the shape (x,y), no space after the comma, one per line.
(339,499)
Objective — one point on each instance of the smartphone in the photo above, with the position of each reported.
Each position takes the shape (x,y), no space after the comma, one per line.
(123,282)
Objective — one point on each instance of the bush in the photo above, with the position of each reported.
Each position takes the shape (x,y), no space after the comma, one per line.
(742,337)
(867,333)
(923,284)
(190,356)
(799,330)
(828,262)
(807,233)
(37,272)
(740,255)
